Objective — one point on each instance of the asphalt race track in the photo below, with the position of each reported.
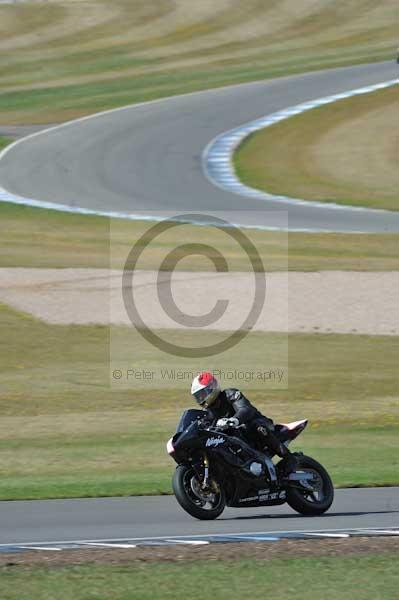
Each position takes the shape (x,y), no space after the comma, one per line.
(148,157)
(156,516)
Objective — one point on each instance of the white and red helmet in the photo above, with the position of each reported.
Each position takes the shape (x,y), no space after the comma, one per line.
(205,388)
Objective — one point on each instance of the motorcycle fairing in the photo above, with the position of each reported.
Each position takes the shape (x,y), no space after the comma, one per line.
(189,416)
(289,431)
(295,424)
(236,457)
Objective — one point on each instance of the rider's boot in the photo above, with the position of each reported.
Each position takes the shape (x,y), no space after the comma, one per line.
(289,462)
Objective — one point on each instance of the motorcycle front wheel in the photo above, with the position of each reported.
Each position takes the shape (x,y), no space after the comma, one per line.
(204,505)
(311,497)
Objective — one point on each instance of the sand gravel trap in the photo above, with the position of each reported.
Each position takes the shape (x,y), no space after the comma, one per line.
(329,301)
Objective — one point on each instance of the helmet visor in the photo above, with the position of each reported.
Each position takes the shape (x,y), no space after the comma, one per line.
(202,395)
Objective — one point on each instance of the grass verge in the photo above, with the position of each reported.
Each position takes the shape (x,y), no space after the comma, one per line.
(369,577)
(4,141)
(84,58)
(345,152)
(64,432)
(33,237)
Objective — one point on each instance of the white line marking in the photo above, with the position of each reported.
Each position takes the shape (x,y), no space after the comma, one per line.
(190,542)
(253,538)
(199,535)
(223,146)
(105,545)
(332,535)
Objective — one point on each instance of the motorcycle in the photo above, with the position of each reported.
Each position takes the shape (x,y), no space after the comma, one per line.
(218,467)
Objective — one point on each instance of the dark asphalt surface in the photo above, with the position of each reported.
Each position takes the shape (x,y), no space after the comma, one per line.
(148,157)
(117,518)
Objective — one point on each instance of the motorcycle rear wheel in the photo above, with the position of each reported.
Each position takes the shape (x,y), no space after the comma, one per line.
(187,491)
(316,501)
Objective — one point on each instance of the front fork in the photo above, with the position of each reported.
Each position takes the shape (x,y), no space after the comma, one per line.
(205,482)
(200,465)
(208,484)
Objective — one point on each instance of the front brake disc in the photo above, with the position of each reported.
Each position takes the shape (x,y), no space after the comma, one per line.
(201,494)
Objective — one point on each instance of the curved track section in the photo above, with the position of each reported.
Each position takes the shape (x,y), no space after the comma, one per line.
(148,157)
(219,155)
(109,519)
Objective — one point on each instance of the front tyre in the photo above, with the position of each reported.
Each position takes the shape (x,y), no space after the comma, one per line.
(189,494)
(311,497)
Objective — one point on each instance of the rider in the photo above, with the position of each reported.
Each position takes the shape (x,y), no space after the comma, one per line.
(230,408)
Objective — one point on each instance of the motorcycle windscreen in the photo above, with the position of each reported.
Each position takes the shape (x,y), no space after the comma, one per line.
(188,417)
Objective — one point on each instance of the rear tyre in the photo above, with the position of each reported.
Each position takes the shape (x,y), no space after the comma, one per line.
(201,505)
(315,496)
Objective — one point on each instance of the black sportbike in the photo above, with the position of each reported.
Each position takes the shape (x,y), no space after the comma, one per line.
(218,467)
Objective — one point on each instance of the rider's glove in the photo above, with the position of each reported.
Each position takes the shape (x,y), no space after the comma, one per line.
(228,422)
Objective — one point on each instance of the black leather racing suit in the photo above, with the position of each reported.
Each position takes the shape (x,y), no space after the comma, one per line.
(260,429)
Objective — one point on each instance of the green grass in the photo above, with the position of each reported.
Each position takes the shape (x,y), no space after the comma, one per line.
(134,463)
(345,152)
(61,103)
(84,58)
(64,432)
(32,237)
(4,141)
(367,577)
